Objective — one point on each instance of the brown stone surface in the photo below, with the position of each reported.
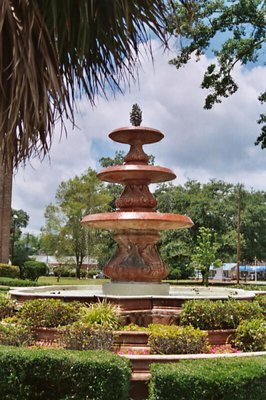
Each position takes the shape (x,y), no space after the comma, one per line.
(129,173)
(137,198)
(137,258)
(137,220)
(135,223)
(136,134)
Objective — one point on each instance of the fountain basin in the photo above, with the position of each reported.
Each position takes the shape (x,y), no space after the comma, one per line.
(138,305)
(136,173)
(137,220)
(86,292)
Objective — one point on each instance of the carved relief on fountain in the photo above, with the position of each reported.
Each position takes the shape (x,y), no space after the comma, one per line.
(137,258)
(136,197)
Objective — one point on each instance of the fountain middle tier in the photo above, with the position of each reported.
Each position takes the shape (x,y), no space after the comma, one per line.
(137,258)
(136,173)
(137,220)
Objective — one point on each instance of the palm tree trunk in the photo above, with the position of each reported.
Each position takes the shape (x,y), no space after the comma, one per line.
(5,211)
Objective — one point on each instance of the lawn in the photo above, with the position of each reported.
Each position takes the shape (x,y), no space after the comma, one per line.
(52,280)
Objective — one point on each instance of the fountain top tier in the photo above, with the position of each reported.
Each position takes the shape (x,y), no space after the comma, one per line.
(136,206)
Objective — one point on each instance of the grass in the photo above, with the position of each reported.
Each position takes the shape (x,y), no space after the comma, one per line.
(52,280)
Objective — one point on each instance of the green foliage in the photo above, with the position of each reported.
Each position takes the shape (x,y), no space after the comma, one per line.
(92,272)
(240,28)
(36,374)
(251,335)
(64,272)
(214,206)
(15,335)
(101,314)
(81,336)
(173,339)
(32,270)
(63,233)
(262,302)
(18,282)
(49,313)
(7,306)
(219,379)
(134,328)
(10,271)
(205,253)
(208,314)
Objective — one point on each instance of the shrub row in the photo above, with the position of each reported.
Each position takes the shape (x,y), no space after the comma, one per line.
(32,374)
(9,271)
(219,379)
(173,339)
(49,313)
(7,306)
(207,314)
(18,282)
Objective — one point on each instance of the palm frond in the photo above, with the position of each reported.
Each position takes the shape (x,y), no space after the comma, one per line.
(51,52)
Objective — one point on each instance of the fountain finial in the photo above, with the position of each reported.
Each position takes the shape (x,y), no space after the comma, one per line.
(136,115)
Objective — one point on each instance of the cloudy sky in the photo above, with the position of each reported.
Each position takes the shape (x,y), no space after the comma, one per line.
(198,144)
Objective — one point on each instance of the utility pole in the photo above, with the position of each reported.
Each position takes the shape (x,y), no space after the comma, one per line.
(238,237)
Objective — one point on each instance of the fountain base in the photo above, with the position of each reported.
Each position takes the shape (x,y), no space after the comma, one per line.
(136,289)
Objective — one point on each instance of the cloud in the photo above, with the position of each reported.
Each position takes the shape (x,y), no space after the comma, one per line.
(198,144)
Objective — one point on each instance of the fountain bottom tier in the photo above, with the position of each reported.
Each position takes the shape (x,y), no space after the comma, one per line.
(138,303)
(137,258)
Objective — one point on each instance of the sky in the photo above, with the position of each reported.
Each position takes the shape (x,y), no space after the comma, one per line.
(199,144)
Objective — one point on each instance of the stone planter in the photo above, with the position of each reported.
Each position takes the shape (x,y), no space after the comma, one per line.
(220,336)
(47,336)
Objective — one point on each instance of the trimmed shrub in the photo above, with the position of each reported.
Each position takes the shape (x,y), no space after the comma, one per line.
(48,313)
(79,336)
(92,272)
(15,335)
(7,307)
(18,282)
(219,379)
(262,302)
(101,314)
(9,271)
(63,272)
(172,339)
(33,270)
(208,314)
(36,374)
(251,335)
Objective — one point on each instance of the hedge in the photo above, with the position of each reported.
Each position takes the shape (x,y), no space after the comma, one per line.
(31,374)
(219,379)
(18,282)
(9,271)
(209,314)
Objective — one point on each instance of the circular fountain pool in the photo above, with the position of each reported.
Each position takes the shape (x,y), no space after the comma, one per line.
(87,292)
(140,304)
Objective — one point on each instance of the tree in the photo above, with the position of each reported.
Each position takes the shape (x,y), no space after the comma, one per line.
(63,232)
(53,52)
(213,205)
(205,253)
(19,220)
(239,25)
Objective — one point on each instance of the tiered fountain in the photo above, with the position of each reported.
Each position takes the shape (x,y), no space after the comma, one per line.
(136,267)
(136,270)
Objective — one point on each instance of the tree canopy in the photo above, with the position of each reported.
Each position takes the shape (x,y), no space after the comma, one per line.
(63,233)
(52,52)
(213,205)
(234,31)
